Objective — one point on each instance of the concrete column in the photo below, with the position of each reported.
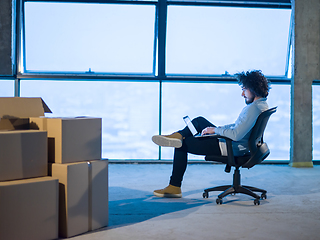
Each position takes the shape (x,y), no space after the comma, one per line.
(6,38)
(306,53)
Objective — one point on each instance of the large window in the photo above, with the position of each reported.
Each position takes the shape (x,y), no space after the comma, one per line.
(221,104)
(89,38)
(316,122)
(141,65)
(213,40)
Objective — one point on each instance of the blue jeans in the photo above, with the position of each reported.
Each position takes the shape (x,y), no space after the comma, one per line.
(190,144)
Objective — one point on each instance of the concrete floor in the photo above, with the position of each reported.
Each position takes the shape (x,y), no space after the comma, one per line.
(291,210)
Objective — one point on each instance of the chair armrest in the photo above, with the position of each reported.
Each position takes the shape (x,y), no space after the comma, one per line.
(231,160)
(214,135)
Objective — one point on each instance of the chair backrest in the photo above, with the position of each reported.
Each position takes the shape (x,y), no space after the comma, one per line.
(259,150)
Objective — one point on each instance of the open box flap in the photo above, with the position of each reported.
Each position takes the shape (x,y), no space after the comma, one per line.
(20,107)
(45,107)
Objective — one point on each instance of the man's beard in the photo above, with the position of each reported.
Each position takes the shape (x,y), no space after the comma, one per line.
(249,100)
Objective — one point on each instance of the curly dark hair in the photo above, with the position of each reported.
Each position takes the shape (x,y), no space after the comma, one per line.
(255,81)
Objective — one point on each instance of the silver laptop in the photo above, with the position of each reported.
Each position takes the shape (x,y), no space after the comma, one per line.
(193,130)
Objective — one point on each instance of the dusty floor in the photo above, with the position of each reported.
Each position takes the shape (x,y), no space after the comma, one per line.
(291,210)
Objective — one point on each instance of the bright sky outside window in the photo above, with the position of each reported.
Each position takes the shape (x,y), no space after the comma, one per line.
(129,111)
(6,88)
(212,40)
(66,37)
(316,121)
(221,104)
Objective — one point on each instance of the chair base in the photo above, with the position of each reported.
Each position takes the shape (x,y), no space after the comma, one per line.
(236,187)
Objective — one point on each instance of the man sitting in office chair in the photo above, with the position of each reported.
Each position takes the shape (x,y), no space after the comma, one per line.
(255,89)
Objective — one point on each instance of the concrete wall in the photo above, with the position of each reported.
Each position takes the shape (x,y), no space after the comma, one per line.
(5,37)
(306,51)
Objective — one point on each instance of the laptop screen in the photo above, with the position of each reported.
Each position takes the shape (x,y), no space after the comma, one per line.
(190,125)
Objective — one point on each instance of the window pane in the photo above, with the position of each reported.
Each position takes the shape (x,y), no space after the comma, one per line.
(129,112)
(6,88)
(277,133)
(221,104)
(210,100)
(78,37)
(316,122)
(212,40)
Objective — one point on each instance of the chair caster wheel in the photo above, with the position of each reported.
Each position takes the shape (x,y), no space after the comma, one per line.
(263,196)
(219,201)
(205,195)
(256,201)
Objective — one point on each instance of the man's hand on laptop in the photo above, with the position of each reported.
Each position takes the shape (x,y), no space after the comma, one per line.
(208,130)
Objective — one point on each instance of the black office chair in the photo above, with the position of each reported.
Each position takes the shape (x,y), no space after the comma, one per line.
(258,152)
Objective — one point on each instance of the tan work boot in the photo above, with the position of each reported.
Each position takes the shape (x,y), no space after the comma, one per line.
(169,192)
(172,140)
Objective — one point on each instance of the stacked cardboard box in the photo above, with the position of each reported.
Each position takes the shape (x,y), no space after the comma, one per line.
(28,197)
(83,199)
(29,209)
(73,151)
(74,155)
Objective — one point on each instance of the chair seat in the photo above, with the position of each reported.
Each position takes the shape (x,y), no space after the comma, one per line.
(239,161)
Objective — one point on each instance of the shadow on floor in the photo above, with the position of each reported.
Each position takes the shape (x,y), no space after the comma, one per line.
(132,206)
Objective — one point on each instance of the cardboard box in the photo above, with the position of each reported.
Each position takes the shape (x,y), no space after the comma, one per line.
(16,111)
(83,191)
(29,209)
(71,139)
(98,194)
(73,197)
(23,154)
(20,107)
